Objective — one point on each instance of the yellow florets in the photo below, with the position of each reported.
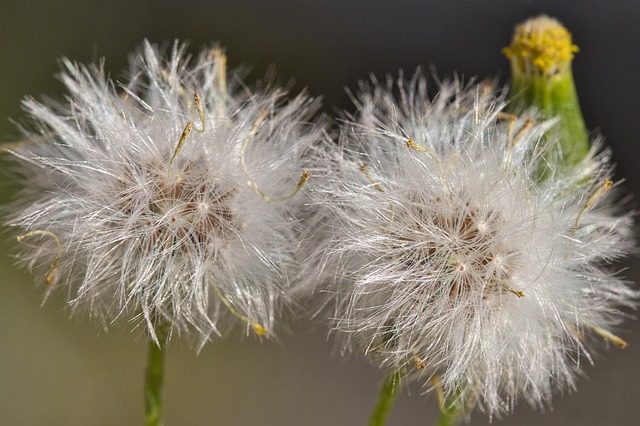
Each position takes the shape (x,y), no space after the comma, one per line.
(541,45)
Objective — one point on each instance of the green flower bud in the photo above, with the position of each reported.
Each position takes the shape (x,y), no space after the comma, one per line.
(541,53)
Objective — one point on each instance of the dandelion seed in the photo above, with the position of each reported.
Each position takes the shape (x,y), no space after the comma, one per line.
(140,189)
(445,257)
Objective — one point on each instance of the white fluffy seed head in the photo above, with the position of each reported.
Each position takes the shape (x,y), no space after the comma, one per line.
(442,247)
(167,197)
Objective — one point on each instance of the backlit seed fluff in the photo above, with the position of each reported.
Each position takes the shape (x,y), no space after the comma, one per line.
(168,197)
(442,251)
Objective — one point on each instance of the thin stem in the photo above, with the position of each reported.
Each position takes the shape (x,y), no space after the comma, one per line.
(386,397)
(450,412)
(154,379)
(449,417)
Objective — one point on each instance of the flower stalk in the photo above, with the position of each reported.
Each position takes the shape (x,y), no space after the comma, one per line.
(386,398)
(450,408)
(154,379)
(450,417)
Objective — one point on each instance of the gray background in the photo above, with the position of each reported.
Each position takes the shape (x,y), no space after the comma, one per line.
(56,371)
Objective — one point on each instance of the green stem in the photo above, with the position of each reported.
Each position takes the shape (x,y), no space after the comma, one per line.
(154,380)
(449,417)
(386,397)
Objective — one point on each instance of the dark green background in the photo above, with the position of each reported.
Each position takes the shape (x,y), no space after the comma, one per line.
(56,371)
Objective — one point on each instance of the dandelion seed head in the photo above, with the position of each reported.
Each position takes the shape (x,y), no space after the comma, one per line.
(154,188)
(442,248)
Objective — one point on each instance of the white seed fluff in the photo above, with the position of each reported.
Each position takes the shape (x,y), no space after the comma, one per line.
(167,198)
(443,252)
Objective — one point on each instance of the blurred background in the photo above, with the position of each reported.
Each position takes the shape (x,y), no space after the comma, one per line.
(60,371)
